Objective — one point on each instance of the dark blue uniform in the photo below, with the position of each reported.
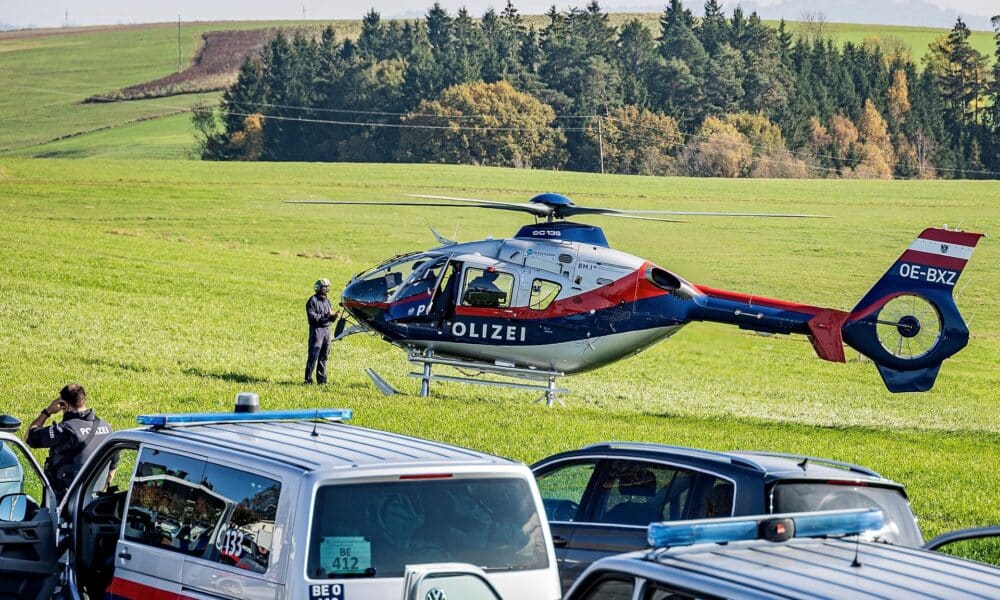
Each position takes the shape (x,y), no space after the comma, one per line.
(318,311)
(70,444)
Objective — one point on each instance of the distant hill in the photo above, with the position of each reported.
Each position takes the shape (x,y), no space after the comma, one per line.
(908,13)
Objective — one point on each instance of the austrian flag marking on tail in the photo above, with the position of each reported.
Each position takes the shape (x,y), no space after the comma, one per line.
(941,249)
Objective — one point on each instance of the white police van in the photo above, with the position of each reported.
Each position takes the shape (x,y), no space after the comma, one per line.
(798,555)
(277,505)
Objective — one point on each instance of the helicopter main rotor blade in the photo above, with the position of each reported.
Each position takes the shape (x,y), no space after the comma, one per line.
(358,203)
(610,212)
(623,216)
(540,210)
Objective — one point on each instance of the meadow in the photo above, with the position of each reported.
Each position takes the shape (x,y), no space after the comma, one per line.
(171,285)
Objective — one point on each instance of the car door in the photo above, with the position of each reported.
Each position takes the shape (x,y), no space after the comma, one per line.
(28,554)
(196,526)
(629,494)
(564,487)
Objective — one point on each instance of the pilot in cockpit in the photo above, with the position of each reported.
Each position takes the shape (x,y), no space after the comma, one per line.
(483,291)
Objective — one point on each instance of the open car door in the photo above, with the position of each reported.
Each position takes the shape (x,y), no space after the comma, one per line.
(29,568)
(985,553)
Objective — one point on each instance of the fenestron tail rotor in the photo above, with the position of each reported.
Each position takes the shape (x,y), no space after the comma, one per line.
(908,326)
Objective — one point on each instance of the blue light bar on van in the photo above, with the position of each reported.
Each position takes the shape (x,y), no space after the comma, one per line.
(669,535)
(332,414)
(770,527)
(841,522)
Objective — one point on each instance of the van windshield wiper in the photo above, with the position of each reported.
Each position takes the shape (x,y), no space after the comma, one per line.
(369,572)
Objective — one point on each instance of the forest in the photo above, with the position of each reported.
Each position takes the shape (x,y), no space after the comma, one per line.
(717,95)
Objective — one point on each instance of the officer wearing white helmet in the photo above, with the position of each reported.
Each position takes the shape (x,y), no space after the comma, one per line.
(320,314)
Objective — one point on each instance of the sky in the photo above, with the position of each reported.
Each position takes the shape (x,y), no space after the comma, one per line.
(49,13)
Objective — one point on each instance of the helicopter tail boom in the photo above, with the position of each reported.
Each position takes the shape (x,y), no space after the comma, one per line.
(907,324)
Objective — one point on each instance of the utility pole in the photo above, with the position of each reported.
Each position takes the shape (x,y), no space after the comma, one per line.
(303,12)
(178,43)
(600,141)
(66,24)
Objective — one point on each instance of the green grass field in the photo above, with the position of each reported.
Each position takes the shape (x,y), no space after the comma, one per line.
(171,285)
(48,73)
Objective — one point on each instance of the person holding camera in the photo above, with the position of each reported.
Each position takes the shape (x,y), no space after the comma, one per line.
(70,442)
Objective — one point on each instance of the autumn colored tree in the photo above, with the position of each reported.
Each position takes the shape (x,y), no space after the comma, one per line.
(636,141)
(898,96)
(718,150)
(483,124)
(248,142)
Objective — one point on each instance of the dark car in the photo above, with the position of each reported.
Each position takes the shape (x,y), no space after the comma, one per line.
(600,499)
(802,556)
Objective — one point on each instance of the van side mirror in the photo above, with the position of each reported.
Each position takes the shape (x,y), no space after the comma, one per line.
(13,508)
(9,423)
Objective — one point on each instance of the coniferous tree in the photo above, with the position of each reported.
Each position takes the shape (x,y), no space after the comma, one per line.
(713,31)
(635,58)
(677,38)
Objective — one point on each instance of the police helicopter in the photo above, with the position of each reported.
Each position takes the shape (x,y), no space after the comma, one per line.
(556,299)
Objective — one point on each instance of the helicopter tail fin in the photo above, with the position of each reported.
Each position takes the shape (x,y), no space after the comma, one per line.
(908,322)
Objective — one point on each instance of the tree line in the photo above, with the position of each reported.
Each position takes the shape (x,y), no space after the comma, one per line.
(716,96)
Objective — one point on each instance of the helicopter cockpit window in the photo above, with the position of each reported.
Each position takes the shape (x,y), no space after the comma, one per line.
(543,292)
(380,283)
(424,277)
(487,288)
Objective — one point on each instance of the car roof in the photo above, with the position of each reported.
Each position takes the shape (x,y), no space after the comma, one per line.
(771,465)
(333,445)
(812,568)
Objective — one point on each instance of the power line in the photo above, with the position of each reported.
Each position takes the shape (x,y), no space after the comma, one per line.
(384,113)
(794,153)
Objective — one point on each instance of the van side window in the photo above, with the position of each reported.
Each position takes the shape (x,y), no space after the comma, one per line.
(204,510)
(487,288)
(543,292)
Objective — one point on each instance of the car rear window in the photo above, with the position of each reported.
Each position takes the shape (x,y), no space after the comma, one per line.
(803,496)
(376,529)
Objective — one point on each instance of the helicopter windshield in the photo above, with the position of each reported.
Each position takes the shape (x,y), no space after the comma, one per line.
(383,281)
(423,279)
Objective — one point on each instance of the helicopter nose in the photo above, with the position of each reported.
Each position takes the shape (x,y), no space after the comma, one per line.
(365,298)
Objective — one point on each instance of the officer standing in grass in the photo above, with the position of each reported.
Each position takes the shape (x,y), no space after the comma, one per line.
(70,442)
(320,314)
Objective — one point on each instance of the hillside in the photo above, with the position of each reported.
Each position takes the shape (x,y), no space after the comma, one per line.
(48,73)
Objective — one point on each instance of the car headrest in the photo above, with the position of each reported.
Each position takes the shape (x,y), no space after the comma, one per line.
(637,482)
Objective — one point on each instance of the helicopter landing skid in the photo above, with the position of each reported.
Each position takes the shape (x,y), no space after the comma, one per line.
(427,360)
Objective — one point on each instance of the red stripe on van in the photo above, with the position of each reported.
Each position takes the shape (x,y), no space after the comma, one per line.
(131,590)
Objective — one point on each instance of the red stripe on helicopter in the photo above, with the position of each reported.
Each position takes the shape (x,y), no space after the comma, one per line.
(629,288)
(130,590)
(356,304)
(964,238)
(860,314)
(760,300)
(934,260)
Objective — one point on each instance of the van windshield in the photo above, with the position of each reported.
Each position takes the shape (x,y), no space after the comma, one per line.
(376,529)
(804,496)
